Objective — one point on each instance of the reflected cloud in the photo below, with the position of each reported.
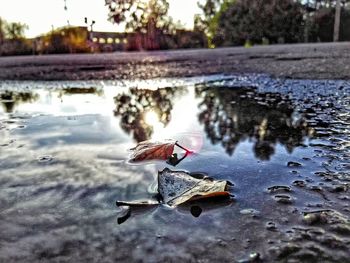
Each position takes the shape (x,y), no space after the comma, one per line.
(233,115)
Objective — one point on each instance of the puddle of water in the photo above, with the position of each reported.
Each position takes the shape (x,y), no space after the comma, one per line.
(283,143)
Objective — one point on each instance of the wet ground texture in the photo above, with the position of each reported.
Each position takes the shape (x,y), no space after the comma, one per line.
(305,61)
(284,145)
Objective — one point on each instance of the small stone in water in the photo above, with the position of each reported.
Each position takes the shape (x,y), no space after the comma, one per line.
(44,159)
(342,229)
(254,257)
(299,183)
(271,226)
(279,188)
(338,188)
(311,218)
(293,164)
(283,199)
(249,211)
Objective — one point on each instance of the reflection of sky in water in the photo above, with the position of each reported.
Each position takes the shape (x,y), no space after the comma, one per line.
(64,151)
(91,115)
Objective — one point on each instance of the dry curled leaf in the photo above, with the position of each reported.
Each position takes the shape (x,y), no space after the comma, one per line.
(177,187)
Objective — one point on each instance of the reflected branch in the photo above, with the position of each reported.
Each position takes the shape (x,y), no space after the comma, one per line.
(132,107)
(11,99)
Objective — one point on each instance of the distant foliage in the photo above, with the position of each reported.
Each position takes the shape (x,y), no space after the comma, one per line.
(320,4)
(66,40)
(322,25)
(15,30)
(242,21)
(12,40)
(2,31)
(140,15)
(150,25)
(246,22)
(209,9)
(148,19)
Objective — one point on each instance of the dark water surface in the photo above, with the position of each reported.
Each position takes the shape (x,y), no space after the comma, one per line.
(285,144)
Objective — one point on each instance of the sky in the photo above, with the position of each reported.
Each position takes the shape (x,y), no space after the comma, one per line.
(42,15)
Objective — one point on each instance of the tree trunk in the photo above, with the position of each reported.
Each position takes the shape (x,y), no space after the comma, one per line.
(2,33)
(337,22)
(307,23)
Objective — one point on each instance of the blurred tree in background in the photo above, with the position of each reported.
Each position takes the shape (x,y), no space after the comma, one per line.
(321,26)
(209,9)
(66,40)
(15,30)
(221,23)
(140,15)
(150,26)
(148,19)
(239,22)
(2,31)
(12,39)
(235,22)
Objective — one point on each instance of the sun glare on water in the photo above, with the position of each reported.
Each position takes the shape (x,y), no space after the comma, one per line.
(151,118)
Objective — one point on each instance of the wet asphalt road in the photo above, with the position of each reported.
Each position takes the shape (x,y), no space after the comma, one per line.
(302,61)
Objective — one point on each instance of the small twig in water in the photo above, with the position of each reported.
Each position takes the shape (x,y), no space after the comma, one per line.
(183,148)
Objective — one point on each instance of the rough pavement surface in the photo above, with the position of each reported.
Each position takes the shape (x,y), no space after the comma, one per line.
(308,61)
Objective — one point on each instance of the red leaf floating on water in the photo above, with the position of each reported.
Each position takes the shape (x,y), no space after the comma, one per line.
(149,150)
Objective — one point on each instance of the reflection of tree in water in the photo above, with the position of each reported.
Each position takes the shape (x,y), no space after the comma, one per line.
(77,90)
(10,99)
(133,106)
(232,115)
